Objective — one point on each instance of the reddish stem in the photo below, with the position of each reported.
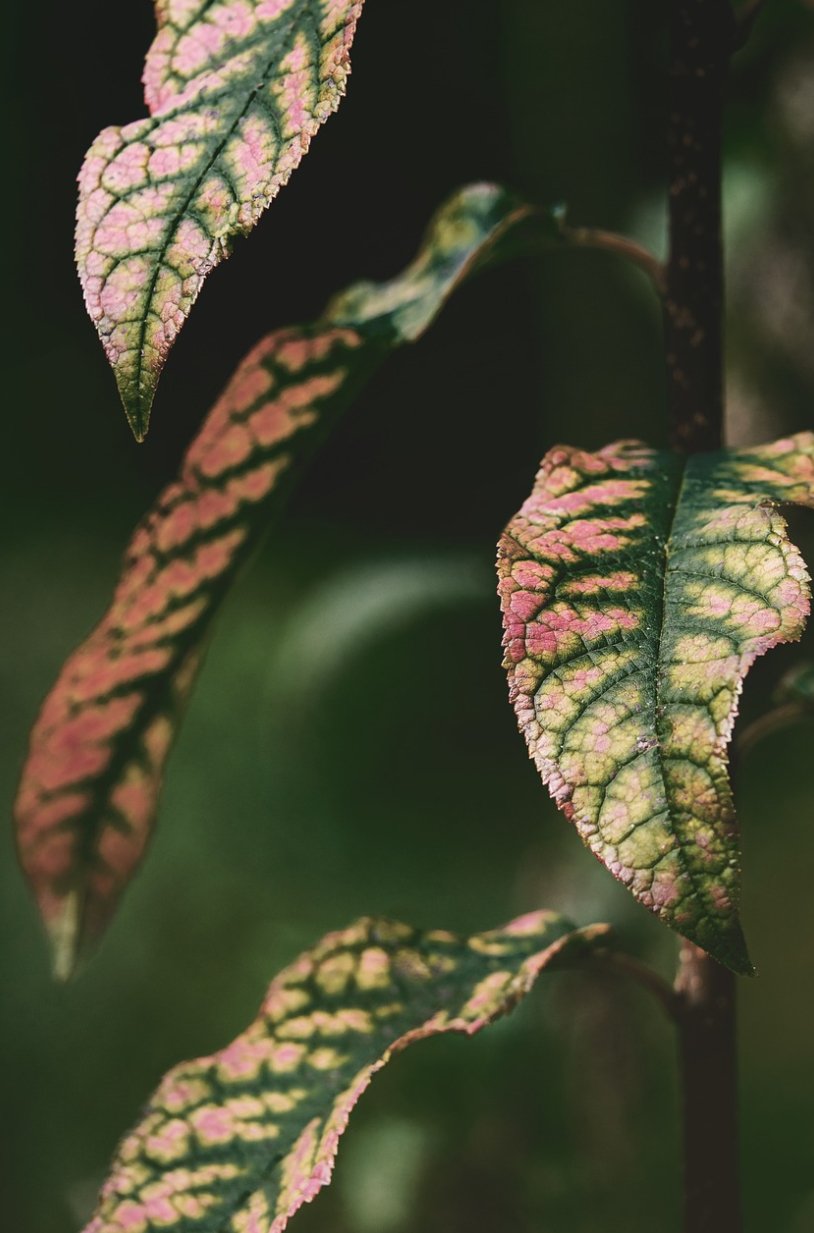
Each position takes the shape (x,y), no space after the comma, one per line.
(703,34)
(708,1053)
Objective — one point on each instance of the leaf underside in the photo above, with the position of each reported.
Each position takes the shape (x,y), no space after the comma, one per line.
(87,800)
(637,589)
(238,1141)
(236,89)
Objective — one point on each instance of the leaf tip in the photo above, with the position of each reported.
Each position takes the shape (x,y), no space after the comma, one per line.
(64,937)
(742,965)
(137,407)
(728,947)
(601,935)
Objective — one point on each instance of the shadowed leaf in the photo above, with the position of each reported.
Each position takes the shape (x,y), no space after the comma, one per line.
(343,616)
(236,89)
(87,800)
(797,686)
(637,589)
(237,1142)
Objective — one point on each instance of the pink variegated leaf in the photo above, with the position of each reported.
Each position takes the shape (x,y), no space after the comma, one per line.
(88,796)
(637,590)
(236,1142)
(236,89)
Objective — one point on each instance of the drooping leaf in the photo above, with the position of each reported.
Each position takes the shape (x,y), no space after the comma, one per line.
(238,1141)
(87,800)
(236,89)
(637,589)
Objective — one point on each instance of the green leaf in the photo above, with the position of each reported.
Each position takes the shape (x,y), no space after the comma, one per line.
(236,89)
(237,1142)
(87,801)
(637,589)
(797,686)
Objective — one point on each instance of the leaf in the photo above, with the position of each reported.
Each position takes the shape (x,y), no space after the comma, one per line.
(236,89)
(797,687)
(359,605)
(637,589)
(87,801)
(240,1140)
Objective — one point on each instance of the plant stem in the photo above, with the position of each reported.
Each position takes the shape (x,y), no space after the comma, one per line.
(709,1083)
(645,977)
(624,246)
(703,34)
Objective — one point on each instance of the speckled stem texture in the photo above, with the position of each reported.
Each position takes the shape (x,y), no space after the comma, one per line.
(702,36)
(236,1142)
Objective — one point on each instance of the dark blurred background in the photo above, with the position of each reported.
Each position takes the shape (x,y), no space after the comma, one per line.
(349,748)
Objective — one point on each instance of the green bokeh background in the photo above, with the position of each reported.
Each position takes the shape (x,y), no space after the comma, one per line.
(349,748)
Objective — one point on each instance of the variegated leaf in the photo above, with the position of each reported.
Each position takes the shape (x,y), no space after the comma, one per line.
(637,589)
(238,1141)
(87,800)
(236,89)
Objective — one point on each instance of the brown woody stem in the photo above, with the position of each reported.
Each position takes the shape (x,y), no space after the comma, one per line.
(703,34)
(709,1085)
